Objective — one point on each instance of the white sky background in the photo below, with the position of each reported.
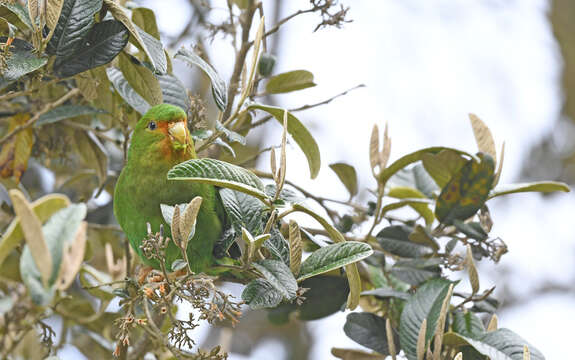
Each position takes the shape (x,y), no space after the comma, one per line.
(427,64)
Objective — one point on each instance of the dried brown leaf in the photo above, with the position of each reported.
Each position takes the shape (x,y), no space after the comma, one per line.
(175,226)
(441,325)
(374,149)
(386,151)
(72,258)
(500,165)
(188,220)
(492,326)
(472,271)
(526,353)
(483,136)
(15,153)
(421,341)
(295,247)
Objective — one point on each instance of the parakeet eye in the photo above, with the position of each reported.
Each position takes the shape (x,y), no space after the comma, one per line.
(152,125)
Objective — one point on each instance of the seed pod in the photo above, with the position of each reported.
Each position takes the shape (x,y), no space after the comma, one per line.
(266,64)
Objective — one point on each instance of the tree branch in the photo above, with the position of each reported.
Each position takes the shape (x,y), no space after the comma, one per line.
(35,118)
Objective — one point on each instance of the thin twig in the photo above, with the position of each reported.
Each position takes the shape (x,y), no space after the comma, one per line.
(35,118)
(301,108)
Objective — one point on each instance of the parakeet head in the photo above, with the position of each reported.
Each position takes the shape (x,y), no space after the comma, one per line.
(163,131)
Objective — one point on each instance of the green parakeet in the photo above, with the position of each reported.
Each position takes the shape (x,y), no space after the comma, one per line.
(161,140)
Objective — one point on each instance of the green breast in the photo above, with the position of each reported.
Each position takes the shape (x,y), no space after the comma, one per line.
(137,200)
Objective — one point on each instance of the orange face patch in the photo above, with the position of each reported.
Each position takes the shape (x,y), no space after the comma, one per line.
(170,147)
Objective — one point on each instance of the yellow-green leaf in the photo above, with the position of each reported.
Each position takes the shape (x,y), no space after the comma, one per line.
(146,20)
(346,173)
(542,186)
(43,208)
(141,79)
(93,153)
(151,46)
(352,272)
(404,192)
(290,81)
(32,229)
(300,134)
(442,166)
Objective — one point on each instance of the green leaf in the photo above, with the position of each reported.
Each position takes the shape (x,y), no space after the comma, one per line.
(443,165)
(174,92)
(411,158)
(416,271)
(277,245)
(260,293)
(424,305)
(151,46)
(141,79)
(501,344)
(126,91)
(351,270)
(299,133)
(219,88)
(101,45)
(279,275)
(467,324)
(92,152)
(471,229)
(76,19)
(386,293)
(347,175)
(287,195)
(232,136)
(64,112)
(94,280)
(290,81)
(333,257)
(243,211)
(414,177)
(405,202)
(59,231)
(395,239)
(467,191)
(15,14)
(367,329)
(542,186)
(422,235)
(219,173)
(326,296)
(21,61)
(410,193)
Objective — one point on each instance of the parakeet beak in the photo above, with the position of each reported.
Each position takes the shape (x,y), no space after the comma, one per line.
(179,132)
